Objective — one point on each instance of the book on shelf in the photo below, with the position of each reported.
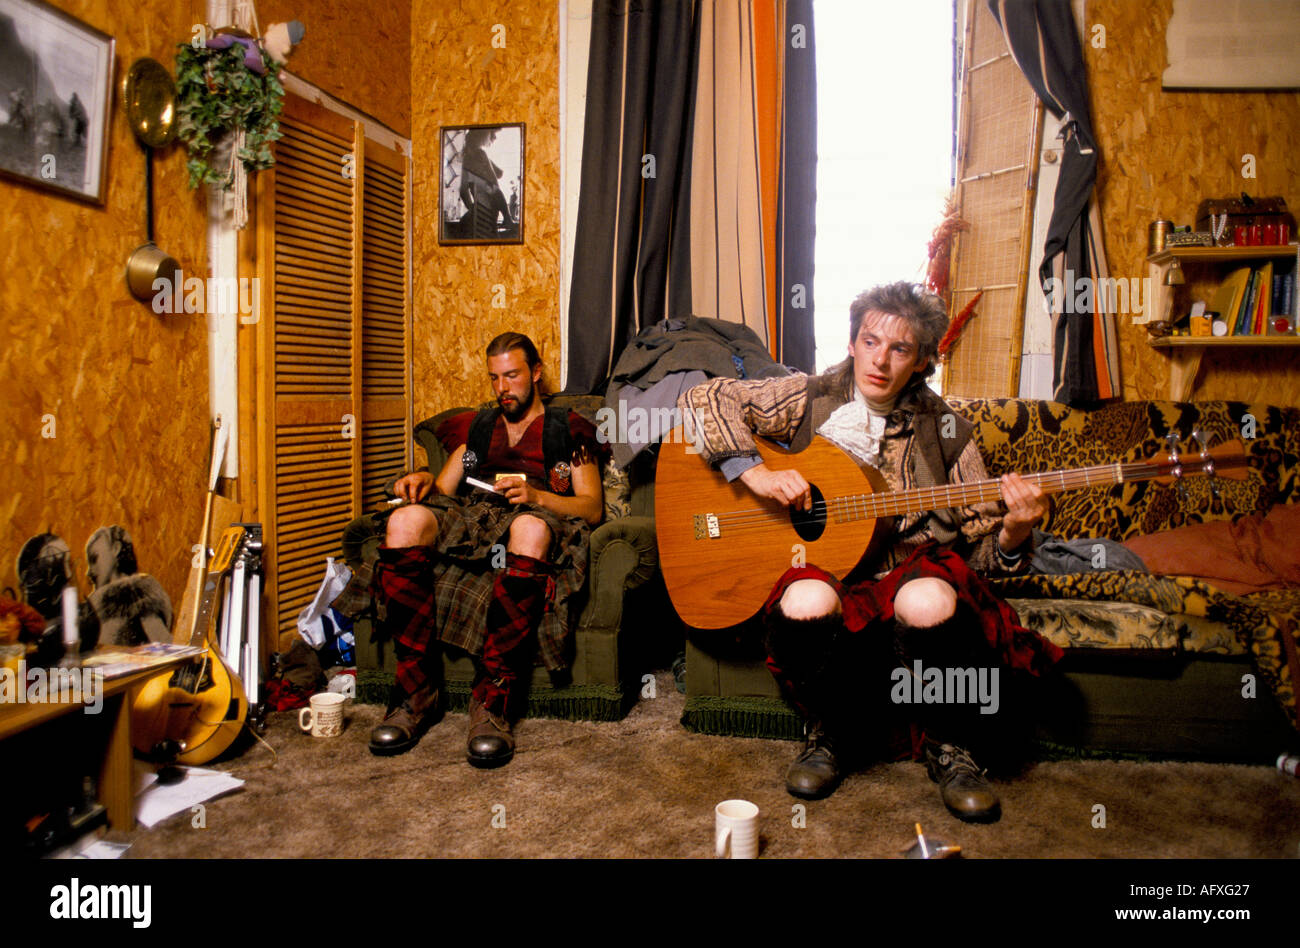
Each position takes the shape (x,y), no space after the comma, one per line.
(1227,299)
(1263,302)
(1249,298)
(1245,309)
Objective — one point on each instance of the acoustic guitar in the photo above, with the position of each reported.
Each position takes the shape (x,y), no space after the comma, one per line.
(721,548)
(192,713)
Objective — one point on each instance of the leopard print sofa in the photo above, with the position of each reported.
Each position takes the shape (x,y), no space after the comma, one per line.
(1121,609)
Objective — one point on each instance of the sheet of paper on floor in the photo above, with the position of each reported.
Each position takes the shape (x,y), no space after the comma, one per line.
(154,802)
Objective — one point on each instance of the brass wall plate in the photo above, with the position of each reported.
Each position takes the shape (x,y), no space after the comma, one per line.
(149,93)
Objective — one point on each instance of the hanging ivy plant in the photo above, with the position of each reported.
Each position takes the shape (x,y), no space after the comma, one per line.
(217,95)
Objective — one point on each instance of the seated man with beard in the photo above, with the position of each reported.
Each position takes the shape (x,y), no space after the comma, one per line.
(490,572)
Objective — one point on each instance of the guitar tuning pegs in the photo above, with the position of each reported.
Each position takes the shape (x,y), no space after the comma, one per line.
(1172,438)
(1199,437)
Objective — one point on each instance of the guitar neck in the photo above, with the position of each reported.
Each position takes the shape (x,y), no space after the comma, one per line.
(921,499)
(203,617)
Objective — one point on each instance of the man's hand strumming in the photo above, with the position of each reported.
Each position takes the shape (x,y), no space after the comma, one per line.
(786,487)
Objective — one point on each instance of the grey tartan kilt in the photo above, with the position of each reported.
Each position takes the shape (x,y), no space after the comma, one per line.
(472,537)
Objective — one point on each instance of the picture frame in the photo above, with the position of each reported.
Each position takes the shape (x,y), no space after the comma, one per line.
(56,94)
(481,198)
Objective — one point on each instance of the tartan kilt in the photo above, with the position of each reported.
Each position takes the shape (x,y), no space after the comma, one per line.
(868,612)
(463,566)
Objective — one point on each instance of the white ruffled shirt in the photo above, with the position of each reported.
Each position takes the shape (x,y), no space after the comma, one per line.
(858,427)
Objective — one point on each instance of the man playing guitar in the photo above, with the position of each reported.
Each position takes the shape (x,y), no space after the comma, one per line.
(834,646)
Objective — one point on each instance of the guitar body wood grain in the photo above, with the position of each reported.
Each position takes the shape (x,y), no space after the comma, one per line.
(203,716)
(721,548)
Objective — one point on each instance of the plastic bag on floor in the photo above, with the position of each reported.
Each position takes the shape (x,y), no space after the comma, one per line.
(315,624)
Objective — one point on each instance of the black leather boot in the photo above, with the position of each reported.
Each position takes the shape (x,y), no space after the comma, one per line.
(491,740)
(815,773)
(966,792)
(406,722)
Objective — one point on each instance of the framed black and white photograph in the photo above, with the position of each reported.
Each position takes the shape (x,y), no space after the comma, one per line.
(56,88)
(482,196)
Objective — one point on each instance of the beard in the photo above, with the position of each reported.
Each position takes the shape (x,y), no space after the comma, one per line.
(514,410)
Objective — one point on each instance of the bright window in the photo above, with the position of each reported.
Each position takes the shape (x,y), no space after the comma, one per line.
(884,149)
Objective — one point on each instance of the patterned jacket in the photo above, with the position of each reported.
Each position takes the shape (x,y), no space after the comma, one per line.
(925,444)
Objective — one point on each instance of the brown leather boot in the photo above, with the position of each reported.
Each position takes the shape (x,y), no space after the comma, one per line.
(491,740)
(404,725)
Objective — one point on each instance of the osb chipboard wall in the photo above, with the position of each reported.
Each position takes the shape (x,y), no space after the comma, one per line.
(359,53)
(1162,153)
(105,403)
(458,77)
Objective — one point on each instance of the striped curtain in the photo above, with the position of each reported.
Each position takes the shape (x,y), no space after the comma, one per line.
(698,176)
(1044,42)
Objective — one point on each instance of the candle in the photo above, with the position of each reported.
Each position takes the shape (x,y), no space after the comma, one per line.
(71,639)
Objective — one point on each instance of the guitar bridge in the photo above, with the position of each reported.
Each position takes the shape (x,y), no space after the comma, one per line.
(706,527)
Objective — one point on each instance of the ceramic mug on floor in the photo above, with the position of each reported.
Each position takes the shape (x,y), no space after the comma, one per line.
(735,831)
(325,716)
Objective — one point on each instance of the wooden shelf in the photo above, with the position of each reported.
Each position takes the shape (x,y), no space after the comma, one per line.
(1185,352)
(1222,254)
(1200,342)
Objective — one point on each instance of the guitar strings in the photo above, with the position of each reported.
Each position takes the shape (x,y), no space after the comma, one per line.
(854,507)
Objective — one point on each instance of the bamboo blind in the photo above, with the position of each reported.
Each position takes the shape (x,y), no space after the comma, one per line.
(996,182)
(336,343)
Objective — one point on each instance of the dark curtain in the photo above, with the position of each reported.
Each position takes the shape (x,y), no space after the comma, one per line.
(631,250)
(797,213)
(1042,38)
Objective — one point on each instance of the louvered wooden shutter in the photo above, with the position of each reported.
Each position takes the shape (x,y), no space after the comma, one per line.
(385,324)
(330,436)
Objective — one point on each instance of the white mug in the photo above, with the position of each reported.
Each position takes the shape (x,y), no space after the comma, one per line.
(325,713)
(735,830)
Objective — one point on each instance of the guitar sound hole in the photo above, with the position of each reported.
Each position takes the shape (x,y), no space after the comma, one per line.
(810,526)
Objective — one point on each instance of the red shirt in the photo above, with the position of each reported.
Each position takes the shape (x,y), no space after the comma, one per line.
(523,458)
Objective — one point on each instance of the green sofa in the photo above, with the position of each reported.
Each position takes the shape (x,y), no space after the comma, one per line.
(1155,664)
(613,637)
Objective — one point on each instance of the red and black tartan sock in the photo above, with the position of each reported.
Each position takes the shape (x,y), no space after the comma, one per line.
(955,643)
(800,653)
(520,594)
(403,580)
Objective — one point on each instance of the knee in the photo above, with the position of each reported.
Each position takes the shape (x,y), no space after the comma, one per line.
(926,602)
(809,599)
(412,525)
(529,536)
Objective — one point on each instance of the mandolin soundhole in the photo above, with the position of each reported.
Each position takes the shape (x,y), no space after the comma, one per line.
(810,525)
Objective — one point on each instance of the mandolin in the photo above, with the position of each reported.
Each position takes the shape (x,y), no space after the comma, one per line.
(198,707)
(722,549)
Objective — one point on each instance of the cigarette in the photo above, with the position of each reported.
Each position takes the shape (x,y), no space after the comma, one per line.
(481,485)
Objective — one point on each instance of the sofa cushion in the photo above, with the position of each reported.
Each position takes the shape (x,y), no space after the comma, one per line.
(1248,554)
(1081,623)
